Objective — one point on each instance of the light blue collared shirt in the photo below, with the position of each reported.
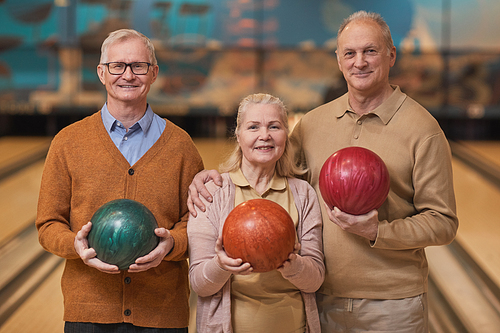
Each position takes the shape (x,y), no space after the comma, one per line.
(140,137)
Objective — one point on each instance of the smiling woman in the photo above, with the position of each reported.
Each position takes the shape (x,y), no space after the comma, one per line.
(269,112)
(260,167)
(262,139)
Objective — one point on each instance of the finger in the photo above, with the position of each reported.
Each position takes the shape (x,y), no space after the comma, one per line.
(151,256)
(191,208)
(84,231)
(229,262)
(218,243)
(102,266)
(162,232)
(198,203)
(86,253)
(247,270)
(110,269)
(283,266)
(202,190)
(159,252)
(219,249)
(297,247)
(215,175)
(194,195)
(136,268)
(156,254)
(329,212)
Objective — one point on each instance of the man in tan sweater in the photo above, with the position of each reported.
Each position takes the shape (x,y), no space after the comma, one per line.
(123,151)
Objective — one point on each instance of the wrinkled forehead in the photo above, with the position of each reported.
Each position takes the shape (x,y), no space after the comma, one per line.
(365,32)
(134,43)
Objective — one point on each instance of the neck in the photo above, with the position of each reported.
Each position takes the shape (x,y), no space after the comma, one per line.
(258,177)
(363,103)
(126,113)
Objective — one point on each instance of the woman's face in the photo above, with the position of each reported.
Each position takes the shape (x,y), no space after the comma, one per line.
(262,135)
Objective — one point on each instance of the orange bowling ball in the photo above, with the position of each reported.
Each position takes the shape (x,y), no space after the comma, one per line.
(260,232)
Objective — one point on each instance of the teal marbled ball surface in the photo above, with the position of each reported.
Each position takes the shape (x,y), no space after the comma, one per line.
(122,231)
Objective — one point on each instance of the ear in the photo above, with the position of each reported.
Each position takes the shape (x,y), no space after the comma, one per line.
(100,73)
(392,55)
(155,69)
(338,60)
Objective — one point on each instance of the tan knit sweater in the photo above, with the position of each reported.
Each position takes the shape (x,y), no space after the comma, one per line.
(419,211)
(83,170)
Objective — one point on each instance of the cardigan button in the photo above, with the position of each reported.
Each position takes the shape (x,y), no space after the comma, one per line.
(131,171)
(127,312)
(128,280)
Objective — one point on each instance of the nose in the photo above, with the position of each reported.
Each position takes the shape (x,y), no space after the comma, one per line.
(128,74)
(264,134)
(359,60)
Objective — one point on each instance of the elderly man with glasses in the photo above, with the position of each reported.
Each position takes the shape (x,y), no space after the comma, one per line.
(123,151)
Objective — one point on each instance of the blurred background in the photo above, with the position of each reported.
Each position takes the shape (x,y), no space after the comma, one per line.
(211,54)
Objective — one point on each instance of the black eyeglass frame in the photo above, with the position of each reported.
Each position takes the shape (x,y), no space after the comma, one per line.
(127,65)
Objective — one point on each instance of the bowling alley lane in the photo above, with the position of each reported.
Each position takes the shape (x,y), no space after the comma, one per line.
(490,150)
(478,207)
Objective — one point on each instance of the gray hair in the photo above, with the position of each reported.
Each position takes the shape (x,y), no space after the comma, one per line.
(124,35)
(285,166)
(365,16)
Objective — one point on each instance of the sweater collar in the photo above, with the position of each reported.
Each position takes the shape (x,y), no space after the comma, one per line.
(384,111)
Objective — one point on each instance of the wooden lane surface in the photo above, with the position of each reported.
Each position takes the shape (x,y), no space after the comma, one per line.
(18,152)
(490,150)
(15,148)
(478,208)
(43,311)
(19,192)
(18,201)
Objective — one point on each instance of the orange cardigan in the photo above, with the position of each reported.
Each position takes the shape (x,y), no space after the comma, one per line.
(84,170)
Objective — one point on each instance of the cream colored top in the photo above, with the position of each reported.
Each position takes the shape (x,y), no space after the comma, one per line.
(259,298)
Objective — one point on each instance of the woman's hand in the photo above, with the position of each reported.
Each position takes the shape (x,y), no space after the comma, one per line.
(292,264)
(235,266)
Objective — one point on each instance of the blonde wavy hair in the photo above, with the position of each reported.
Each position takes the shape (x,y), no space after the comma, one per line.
(285,166)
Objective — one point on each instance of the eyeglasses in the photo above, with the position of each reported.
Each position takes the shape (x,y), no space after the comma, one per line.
(118,68)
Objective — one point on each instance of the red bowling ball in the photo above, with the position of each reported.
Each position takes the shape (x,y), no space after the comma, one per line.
(355,180)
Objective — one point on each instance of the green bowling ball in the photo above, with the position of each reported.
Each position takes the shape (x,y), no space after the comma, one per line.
(122,231)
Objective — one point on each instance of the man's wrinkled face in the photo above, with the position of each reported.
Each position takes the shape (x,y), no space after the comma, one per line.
(128,87)
(363,56)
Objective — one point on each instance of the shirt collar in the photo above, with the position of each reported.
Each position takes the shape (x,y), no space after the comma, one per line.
(277,183)
(110,121)
(384,111)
